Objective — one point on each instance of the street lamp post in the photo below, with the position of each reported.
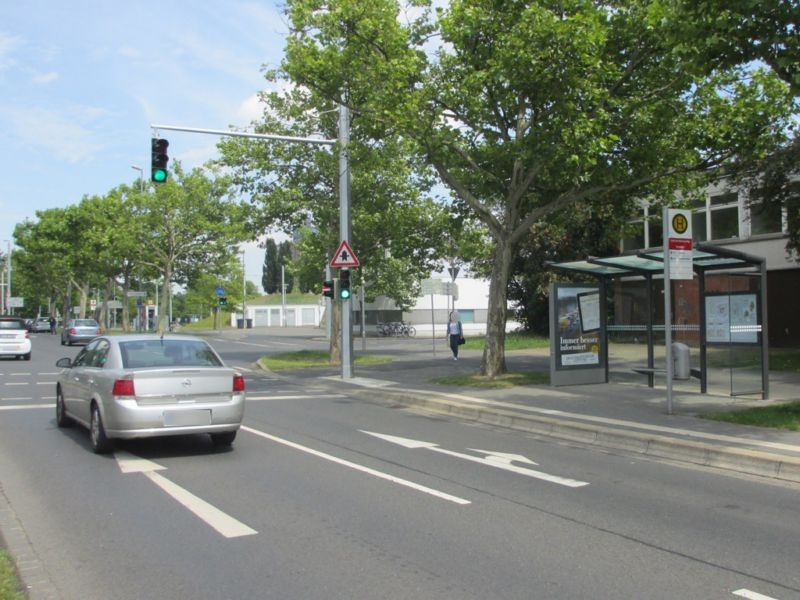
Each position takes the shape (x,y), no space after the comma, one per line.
(141,177)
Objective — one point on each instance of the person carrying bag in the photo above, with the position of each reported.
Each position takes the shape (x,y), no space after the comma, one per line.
(456,333)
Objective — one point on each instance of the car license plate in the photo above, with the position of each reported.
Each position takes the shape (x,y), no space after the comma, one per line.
(186,418)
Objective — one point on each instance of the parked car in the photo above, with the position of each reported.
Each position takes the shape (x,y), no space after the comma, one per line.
(80,331)
(40,324)
(14,338)
(139,385)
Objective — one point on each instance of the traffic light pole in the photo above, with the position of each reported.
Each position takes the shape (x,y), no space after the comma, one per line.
(344,234)
(344,202)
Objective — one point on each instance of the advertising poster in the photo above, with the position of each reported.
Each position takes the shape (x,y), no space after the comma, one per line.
(732,318)
(578,327)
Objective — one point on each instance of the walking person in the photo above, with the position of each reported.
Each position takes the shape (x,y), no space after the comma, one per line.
(52,325)
(456,333)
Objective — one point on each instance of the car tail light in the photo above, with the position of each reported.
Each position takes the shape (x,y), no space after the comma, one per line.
(72,331)
(238,383)
(99,331)
(123,387)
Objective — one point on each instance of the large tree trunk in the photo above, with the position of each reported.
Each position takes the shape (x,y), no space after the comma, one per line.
(166,294)
(126,309)
(494,351)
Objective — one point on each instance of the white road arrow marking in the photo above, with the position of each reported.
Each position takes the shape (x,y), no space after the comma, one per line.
(498,460)
(357,467)
(223,523)
(751,595)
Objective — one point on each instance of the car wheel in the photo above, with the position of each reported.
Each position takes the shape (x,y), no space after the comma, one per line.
(97,433)
(62,420)
(223,440)
(69,342)
(62,341)
(26,356)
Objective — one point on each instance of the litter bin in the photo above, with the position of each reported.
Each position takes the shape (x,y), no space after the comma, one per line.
(249,323)
(680,361)
(239,323)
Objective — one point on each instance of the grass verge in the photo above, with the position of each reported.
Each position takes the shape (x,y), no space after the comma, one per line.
(305,359)
(10,586)
(501,381)
(779,416)
(514,341)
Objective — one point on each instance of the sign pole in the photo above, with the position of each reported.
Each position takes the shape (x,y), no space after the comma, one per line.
(667,306)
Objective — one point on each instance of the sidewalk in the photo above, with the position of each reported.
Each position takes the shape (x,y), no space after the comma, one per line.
(625,416)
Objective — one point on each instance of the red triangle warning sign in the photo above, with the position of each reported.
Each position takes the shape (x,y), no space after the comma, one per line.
(344,256)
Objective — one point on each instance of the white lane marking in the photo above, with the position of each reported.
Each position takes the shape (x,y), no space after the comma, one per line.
(20,374)
(25,406)
(9,383)
(499,460)
(45,383)
(357,467)
(303,397)
(211,515)
(751,595)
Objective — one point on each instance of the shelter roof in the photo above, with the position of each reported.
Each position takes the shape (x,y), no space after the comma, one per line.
(650,261)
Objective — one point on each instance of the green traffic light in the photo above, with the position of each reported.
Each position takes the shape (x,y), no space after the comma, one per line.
(159,175)
(344,294)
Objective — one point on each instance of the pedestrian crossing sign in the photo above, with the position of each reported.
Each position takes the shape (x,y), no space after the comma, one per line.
(344,257)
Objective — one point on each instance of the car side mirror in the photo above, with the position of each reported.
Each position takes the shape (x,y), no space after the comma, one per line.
(64,363)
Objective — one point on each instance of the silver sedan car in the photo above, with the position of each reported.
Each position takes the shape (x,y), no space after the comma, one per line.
(134,386)
(77,331)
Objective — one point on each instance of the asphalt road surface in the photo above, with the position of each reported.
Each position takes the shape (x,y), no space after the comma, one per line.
(327,496)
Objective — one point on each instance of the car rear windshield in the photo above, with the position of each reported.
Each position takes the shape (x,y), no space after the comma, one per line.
(167,353)
(12,324)
(84,323)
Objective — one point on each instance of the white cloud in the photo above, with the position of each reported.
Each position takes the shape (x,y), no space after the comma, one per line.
(8,44)
(250,110)
(57,133)
(45,77)
(130,52)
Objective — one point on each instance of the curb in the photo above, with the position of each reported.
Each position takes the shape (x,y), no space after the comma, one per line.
(742,460)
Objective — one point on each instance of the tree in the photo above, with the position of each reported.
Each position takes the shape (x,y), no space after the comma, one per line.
(285,275)
(398,230)
(186,227)
(525,109)
(731,33)
(270,279)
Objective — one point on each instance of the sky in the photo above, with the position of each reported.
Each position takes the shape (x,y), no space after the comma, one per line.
(82,81)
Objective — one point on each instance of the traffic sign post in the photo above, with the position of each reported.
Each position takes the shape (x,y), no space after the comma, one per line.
(677,236)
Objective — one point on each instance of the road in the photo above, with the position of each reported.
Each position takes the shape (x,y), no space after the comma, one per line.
(329,496)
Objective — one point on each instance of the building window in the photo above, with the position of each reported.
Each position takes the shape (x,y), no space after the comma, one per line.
(724,216)
(466,315)
(765,218)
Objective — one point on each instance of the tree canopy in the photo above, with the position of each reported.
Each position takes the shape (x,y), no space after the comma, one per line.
(525,109)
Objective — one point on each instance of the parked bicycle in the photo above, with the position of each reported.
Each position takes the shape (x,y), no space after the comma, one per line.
(396,329)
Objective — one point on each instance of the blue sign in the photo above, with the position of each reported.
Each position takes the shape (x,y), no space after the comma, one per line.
(220,291)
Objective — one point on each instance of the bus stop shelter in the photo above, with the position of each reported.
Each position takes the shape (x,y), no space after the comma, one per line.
(731,317)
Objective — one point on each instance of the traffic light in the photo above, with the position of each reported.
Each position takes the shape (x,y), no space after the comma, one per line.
(158,160)
(223,301)
(344,284)
(327,288)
